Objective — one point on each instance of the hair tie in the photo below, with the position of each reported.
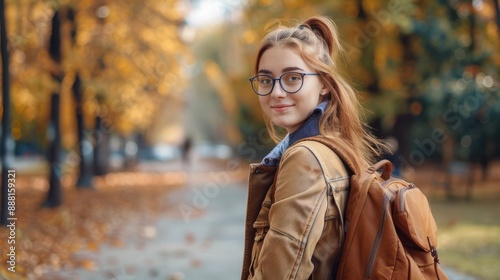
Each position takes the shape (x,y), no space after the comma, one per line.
(302,26)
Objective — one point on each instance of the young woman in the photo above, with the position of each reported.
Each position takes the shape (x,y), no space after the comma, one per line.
(298,194)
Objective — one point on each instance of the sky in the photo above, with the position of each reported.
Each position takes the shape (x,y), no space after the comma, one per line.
(206,12)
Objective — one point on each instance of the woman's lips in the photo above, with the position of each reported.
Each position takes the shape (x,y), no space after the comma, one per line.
(281,107)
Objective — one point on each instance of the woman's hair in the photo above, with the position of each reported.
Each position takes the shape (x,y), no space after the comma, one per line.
(317,42)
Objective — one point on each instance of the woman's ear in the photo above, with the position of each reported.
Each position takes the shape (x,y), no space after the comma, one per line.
(324,91)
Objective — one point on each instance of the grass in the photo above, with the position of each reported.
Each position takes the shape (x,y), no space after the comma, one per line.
(468,230)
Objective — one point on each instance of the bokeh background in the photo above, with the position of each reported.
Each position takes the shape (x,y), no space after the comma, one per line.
(130,125)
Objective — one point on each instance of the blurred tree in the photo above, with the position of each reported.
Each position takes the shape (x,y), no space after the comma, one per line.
(54,195)
(120,63)
(458,53)
(496,5)
(6,145)
(84,146)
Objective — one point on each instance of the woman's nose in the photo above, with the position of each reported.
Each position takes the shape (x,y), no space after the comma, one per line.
(278,91)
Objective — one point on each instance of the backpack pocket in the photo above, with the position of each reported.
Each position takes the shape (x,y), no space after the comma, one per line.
(413,219)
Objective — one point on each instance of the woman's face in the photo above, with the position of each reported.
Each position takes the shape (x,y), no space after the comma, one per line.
(289,110)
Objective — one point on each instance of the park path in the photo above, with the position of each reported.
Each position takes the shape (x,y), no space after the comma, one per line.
(203,244)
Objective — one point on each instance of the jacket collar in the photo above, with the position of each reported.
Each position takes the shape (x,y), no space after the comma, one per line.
(308,129)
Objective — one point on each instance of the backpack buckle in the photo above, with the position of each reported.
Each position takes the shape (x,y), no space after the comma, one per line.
(434,251)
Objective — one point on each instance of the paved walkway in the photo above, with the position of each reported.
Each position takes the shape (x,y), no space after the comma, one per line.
(208,247)
(187,244)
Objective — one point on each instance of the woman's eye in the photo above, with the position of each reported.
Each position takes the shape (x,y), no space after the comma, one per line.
(265,81)
(292,78)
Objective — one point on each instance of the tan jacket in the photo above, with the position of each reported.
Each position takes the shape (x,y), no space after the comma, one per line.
(294,222)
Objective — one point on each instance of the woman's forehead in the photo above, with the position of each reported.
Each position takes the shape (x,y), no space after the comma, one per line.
(280,59)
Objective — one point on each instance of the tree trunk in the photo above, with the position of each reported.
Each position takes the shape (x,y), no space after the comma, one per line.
(85,176)
(472,34)
(497,15)
(7,144)
(101,152)
(54,196)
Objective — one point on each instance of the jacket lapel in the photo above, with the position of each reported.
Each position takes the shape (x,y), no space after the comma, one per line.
(260,180)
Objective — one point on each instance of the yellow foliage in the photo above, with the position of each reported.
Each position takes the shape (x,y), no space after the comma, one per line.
(492,31)
(249,37)
(125,61)
(266,2)
(222,86)
(371,5)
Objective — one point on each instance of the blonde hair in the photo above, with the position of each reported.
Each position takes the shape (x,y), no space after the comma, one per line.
(317,42)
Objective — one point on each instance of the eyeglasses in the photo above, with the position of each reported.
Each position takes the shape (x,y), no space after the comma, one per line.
(290,82)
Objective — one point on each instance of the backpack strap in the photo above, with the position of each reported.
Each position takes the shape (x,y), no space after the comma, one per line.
(340,151)
(386,166)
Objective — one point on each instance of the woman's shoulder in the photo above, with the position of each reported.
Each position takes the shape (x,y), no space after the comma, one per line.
(315,143)
(307,150)
(318,149)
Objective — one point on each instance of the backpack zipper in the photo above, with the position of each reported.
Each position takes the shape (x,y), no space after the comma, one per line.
(378,237)
(402,193)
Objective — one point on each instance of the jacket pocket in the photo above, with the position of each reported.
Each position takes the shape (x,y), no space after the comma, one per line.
(261,229)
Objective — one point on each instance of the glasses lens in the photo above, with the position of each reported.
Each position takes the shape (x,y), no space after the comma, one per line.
(291,82)
(262,84)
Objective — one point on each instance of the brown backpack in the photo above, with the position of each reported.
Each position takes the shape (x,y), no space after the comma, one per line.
(390,230)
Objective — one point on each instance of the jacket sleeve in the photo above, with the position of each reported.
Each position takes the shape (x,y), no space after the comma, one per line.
(296,218)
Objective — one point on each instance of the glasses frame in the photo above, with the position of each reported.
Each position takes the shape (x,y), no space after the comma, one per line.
(279,79)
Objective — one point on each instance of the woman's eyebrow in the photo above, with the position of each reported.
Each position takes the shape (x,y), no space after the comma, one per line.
(263,71)
(288,69)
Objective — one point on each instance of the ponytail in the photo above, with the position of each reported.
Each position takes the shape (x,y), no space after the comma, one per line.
(326,30)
